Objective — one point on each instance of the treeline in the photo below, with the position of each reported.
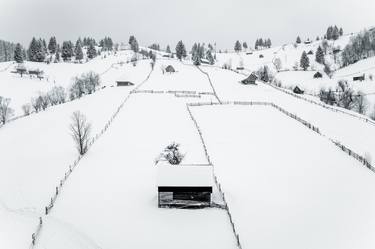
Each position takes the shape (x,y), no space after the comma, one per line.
(360,47)
(333,33)
(263,43)
(6,51)
(199,53)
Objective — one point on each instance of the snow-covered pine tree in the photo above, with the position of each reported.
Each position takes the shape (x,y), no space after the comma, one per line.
(18,57)
(341,32)
(237,46)
(168,49)
(304,62)
(335,33)
(298,40)
(319,55)
(78,50)
(244,45)
(209,57)
(91,51)
(67,50)
(52,45)
(180,50)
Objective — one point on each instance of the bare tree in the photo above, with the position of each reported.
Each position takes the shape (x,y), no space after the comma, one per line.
(5,111)
(26,109)
(80,131)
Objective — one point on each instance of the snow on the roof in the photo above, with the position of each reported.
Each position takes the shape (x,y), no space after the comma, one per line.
(127,77)
(183,175)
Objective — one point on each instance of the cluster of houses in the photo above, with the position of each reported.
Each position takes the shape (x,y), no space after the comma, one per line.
(21,70)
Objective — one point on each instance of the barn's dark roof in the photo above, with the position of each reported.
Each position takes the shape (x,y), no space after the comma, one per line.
(170,68)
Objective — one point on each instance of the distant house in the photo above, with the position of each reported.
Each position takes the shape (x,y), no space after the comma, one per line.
(184,186)
(336,50)
(170,69)
(261,56)
(298,90)
(318,75)
(249,53)
(308,41)
(310,52)
(124,81)
(250,79)
(166,55)
(359,78)
(240,68)
(38,73)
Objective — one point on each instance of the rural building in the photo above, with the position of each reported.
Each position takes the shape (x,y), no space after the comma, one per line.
(318,75)
(298,90)
(310,52)
(124,81)
(336,50)
(249,53)
(170,69)
(184,186)
(261,56)
(308,41)
(250,79)
(240,68)
(205,61)
(359,78)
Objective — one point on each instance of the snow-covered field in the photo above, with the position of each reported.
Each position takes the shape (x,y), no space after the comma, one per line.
(21,89)
(286,186)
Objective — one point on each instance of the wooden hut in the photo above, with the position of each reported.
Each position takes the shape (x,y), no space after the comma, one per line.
(359,78)
(298,90)
(170,69)
(184,186)
(318,75)
(261,56)
(124,81)
(250,79)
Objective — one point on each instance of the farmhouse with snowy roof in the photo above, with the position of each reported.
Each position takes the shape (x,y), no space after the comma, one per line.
(184,186)
(250,79)
(170,69)
(124,81)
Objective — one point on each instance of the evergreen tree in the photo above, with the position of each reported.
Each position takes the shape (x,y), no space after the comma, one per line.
(78,50)
(261,43)
(341,32)
(244,45)
(52,45)
(209,57)
(180,50)
(237,46)
(91,51)
(298,40)
(304,62)
(67,50)
(335,33)
(168,50)
(133,44)
(256,44)
(44,46)
(57,55)
(317,38)
(18,57)
(268,43)
(319,55)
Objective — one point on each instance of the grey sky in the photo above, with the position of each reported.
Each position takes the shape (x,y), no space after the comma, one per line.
(167,21)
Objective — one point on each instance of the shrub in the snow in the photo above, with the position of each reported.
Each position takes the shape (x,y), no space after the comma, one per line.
(361,103)
(57,95)
(84,84)
(346,98)
(327,96)
(172,154)
(5,111)
(278,64)
(26,108)
(80,130)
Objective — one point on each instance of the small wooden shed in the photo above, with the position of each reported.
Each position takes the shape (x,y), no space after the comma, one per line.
(170,69)
(124,81)
(184,186)
(250,79)
(359,78)
(298,90)
(318,75)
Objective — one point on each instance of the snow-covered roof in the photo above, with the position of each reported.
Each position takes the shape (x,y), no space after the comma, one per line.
(126,77)
(184,175)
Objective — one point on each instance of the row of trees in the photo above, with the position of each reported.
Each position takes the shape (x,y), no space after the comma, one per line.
(200,52)
(238,46)
(333,33)
(361,46)
(6,51)
(263,43)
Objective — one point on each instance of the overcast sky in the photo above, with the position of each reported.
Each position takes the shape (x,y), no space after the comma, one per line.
(167,21)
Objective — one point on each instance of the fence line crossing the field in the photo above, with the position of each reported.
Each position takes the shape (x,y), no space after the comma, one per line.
(50,205)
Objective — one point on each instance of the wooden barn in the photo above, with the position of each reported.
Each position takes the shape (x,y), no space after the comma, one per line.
(298,90)
(170,69)
(261,56)
(359,78)
(250,79)
(184,186)
(318,75)
(124,81)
